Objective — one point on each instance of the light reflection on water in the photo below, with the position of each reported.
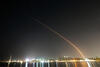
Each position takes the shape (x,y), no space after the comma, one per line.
(52,64)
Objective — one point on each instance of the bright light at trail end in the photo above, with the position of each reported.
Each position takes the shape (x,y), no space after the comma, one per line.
(88,63)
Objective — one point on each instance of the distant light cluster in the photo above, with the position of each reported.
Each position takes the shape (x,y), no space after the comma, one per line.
(45,60)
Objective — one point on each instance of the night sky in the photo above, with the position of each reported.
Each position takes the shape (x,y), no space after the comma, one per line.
(21,36)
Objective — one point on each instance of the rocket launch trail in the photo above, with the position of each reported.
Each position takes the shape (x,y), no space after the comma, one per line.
(62,37)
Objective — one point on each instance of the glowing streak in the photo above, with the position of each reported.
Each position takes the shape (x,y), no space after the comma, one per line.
(27,60)
(61,36)
(48,64)
(26,65)
(65,39)
(88,63)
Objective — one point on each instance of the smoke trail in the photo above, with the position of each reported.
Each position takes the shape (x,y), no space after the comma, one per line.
(61,36)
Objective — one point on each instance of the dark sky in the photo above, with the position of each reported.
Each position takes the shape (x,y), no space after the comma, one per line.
(23,37)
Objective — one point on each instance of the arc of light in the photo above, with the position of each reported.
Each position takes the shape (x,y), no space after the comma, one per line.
(64,38)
